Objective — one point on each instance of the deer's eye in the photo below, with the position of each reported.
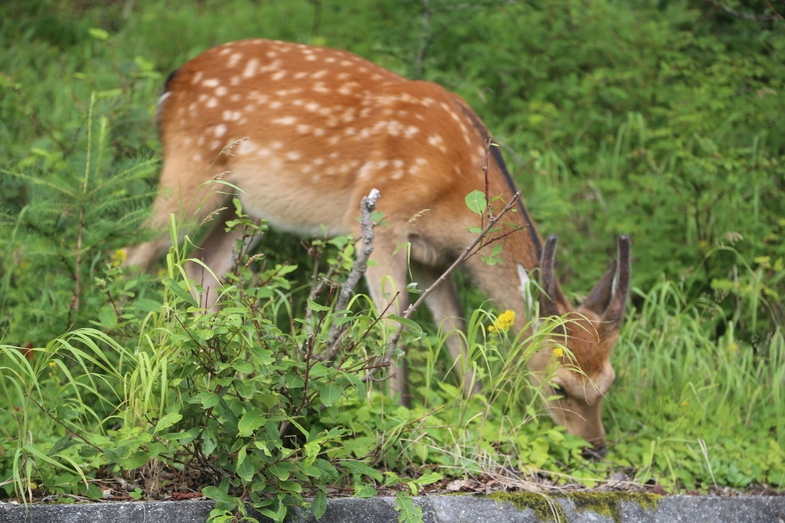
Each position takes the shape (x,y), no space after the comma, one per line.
(558,390)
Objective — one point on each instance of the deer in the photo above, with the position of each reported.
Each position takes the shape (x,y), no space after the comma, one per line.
(314,130)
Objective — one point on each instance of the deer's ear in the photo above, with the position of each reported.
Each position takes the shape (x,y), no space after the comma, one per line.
(550,293)
(615,311)
(600,296)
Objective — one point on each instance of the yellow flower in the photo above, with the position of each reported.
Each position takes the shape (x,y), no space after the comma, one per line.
(504,322)
(118,257)
(52,365)
(558,352)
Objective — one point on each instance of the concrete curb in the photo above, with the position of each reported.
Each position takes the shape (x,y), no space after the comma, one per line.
(436,509)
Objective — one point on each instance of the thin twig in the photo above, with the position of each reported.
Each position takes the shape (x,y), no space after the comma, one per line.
(359,267)
(385,360)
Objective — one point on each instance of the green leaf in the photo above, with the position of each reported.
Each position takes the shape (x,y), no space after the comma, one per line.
(108,317)
(144,65)
(179,291)
(218,495)
(364,491)
(413,325)
(428,478)
(476,202)
(246,471)
(319,504)
(250,421)
(408,511)
(330,393)
(167,421)
(316,307)
(98,33)
(291,486)
(209,443)
(135,460)
(362,468)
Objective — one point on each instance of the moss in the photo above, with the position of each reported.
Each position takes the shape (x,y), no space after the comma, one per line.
(602,503)
(544,506)
(609,503)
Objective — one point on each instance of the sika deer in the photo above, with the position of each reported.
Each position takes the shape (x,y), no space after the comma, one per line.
(323,128)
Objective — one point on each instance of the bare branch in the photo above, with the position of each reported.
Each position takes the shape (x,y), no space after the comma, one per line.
(359,267)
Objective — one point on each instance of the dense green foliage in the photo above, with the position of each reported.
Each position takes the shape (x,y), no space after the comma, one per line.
(662,120)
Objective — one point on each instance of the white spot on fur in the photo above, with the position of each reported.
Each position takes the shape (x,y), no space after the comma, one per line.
(410,131)
(318,74)
(220,130)
(235,97)
(250,68)
(220,91)
(366,170)
(319,87)
(286,120)
(247,147)
(197,157)
(261,98)
(212,102)
(234,59)
(212,82)
(197,77)
(437,141)
(303,129)
(394,128)
(278,75)
(294,155)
